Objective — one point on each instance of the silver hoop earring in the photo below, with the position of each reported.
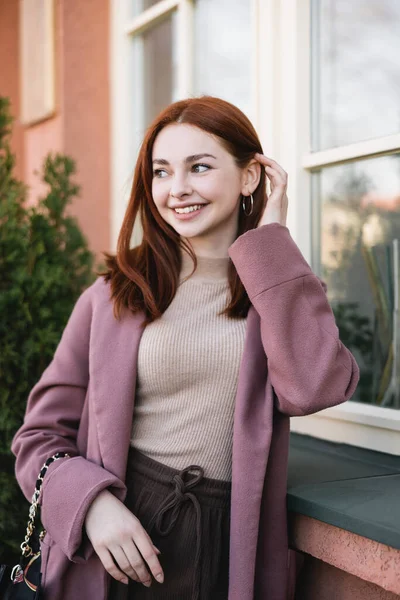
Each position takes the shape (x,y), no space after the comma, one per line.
(244,205)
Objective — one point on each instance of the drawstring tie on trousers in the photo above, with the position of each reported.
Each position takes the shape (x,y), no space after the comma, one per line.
(173,502)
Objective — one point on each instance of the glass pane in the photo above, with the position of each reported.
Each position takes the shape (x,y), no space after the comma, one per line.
(141,5)
(155,71)
(355,71)
(359,208)
(223,51)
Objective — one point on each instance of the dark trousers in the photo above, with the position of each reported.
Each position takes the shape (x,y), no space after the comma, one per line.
(187,517)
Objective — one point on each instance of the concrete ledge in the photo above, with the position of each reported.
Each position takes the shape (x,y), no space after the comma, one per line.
(368,560)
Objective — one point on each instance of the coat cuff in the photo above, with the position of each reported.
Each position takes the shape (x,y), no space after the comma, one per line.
(67,493)
(267,256)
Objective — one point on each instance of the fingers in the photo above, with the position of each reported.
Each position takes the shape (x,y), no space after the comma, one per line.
(272,168)
(275,178)
(150,541)
(125,563)
(264,160)
(110,566)
(121,562)
(137,563)
(148,553)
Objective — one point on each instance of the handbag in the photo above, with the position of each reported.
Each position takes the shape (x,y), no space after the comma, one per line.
(23,581)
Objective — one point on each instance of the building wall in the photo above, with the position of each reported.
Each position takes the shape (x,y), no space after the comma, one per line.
(81,124)
(9,73)
(47,135)
(320,581)
(85,52)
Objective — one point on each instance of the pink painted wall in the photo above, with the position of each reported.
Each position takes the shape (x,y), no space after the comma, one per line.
(9,73)
(342,565)
(320,581)
(86,111)
(46,136)
(81,124)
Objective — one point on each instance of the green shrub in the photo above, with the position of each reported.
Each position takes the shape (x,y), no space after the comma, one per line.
(45,264)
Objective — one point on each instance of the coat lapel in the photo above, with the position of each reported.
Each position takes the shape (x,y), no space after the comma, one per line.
(113,380)
(252,434)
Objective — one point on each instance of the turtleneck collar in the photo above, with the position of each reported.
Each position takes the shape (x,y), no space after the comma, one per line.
(211,269)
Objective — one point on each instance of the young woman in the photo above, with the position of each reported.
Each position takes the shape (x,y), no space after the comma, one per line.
(173,383)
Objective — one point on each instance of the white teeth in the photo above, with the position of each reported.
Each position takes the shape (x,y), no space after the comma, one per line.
(188,209)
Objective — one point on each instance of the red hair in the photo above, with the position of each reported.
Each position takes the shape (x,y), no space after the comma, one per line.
(146,278)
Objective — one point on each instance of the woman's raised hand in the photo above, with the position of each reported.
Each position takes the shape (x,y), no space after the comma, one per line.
(277,203)
(116,534)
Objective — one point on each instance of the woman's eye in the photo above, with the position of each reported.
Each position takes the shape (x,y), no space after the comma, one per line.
(156,172)
(201,165)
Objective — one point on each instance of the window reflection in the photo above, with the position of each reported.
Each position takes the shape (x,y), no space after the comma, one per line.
(142,5)
(355,71)
(223,51)
(360,223)
(155,69)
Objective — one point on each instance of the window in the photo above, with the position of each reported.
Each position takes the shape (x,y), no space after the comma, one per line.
(155,70)
(223,50)
(353,170)
(37,58)
(358,251)
(355,76)
(356,92)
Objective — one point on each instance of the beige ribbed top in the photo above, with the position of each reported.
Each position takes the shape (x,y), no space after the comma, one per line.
(188,366)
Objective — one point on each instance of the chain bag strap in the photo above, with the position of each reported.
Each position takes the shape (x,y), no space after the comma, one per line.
(22,582)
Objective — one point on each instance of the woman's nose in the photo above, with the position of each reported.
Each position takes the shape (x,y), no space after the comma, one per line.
(180,186)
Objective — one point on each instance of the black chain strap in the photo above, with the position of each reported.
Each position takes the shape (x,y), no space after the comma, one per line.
(26,549)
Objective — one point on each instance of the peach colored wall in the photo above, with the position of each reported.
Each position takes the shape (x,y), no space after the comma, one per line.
(9,73)
(320,581)
(46,136)
(339,564)
(86,111)
(80,127)
(365,559)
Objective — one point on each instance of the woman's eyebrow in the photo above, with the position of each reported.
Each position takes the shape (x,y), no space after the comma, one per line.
(188,159)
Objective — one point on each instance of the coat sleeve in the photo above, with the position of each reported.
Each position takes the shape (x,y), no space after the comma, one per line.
(51,425)
(309,367)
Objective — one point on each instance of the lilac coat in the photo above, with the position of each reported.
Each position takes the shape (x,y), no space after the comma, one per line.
(293,364)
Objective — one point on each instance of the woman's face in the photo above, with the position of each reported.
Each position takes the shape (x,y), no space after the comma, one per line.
(192,168)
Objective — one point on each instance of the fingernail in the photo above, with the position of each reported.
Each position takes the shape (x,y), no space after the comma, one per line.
(147,583)
(160,578)
(125,581)
(156,549)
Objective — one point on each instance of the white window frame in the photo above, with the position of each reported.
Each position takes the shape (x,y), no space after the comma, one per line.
(280,74)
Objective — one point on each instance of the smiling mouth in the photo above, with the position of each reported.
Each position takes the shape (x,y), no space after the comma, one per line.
(189,209)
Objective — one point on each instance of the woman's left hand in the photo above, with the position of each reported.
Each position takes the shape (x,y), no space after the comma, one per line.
(277,203)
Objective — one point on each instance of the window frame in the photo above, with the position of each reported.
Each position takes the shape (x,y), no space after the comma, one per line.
(37,61)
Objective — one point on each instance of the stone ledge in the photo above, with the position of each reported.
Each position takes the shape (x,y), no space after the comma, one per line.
(364,558)
(350,488)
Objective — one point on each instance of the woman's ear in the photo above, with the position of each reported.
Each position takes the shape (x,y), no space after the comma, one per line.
(251,177)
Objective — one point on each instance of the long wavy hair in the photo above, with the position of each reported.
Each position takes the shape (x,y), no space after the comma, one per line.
(146,277)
